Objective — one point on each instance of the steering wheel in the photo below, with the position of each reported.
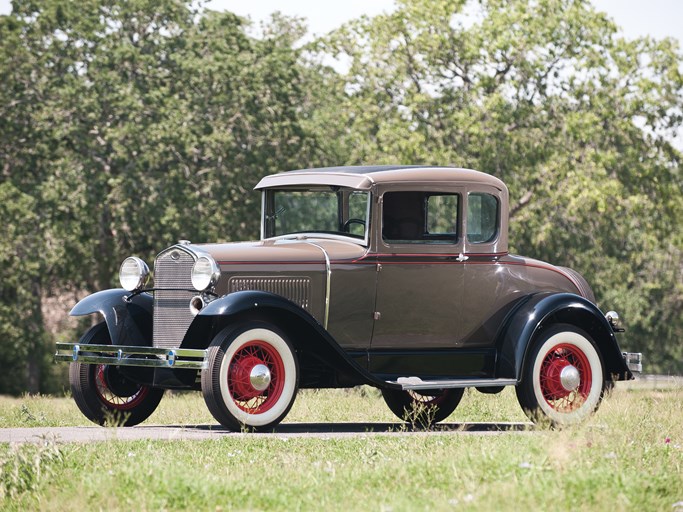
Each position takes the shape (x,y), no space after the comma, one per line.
(348,223)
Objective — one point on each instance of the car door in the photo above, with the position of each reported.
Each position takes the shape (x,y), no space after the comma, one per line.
(419,280)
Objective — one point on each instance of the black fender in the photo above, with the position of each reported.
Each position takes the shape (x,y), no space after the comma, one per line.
(542,310)
(129,322)
(305,332)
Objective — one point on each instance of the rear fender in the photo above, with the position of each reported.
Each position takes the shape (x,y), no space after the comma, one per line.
(305,332)
(129,322)
(542,310)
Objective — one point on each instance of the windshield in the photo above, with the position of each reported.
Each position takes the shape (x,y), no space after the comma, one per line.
(320,210)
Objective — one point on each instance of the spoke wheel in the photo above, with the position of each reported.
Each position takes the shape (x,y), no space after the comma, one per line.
(561,365)
(563,379)
(252,378)
(422,408)
(121,400)
(246,384)
(104,395)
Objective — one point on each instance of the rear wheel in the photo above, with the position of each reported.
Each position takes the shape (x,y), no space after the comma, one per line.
(422,408)
(252,377)
(103,394)
(563,379)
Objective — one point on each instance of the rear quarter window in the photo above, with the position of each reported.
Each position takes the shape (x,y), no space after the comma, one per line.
(482,217)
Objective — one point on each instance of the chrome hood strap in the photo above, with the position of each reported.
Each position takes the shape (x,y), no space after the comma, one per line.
(328,268)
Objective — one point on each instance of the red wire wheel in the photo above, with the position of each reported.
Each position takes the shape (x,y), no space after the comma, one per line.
(422,408)
(247,397)
(427,399)
(563,379)
(558,361)
(104,394)
(252,376)
(114,401)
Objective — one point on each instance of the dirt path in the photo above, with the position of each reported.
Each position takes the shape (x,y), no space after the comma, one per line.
(286,430)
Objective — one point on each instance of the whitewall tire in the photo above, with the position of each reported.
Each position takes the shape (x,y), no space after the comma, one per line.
(563,379)
(252,377)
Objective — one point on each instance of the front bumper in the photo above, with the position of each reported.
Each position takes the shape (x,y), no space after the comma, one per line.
(633,360)
(150,357)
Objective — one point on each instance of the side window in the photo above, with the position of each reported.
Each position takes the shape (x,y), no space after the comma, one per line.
(482,218)
(420,217)
(442,215)
(358,211)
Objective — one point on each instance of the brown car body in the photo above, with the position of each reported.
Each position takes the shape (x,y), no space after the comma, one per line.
(405,298)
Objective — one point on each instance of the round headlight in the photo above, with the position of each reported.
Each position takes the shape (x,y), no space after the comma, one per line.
(613,318)
(205,273)
(133,274)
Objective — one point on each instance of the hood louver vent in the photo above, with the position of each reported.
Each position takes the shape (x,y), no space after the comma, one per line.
(296,289)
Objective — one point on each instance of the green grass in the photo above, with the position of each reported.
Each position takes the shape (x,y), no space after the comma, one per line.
(629,456)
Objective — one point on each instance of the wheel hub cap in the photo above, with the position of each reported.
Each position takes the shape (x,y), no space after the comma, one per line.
(554,387)
(259,377)
(570,377)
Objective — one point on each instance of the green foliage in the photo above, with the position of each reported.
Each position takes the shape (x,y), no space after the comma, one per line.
(20,322)
(128,126)
(547,96)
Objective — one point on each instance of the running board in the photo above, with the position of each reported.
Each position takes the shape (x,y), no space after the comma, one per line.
(418,383)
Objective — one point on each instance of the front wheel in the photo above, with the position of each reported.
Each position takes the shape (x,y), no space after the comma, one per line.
(563,378)
(252,377)
(103,394)
(422,408)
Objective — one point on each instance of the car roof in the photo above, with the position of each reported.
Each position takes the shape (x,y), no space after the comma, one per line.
(364,177)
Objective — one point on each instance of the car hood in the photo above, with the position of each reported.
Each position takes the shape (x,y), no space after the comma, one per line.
(283,251)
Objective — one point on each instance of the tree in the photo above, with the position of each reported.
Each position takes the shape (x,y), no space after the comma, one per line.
(129,126)
(547,96)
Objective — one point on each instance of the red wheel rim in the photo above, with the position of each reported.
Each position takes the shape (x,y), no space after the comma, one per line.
(244,395)
(120,403)
(427,400)
(554,393)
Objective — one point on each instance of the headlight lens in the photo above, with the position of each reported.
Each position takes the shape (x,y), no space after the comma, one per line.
(613,318)
(205,273)
(133,274)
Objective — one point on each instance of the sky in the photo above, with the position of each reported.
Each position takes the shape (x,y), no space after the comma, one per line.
(657,18)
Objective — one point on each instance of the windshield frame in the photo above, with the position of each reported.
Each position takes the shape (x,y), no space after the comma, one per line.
(268,193)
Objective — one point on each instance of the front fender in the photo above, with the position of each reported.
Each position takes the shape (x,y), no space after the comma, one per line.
(544,309)
(238,302)
(128,323)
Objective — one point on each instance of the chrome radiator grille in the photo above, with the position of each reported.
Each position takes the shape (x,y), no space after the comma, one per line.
(296,289)
(172,315)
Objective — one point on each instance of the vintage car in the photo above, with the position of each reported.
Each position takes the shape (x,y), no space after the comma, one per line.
(397,277)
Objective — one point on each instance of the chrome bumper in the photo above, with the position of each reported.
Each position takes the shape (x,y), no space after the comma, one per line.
(183,358)
(634,361)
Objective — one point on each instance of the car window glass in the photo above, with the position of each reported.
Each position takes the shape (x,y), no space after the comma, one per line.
(358,209)
(301,211)
(482,218)
(323,210)
(442,214)
(420,217)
